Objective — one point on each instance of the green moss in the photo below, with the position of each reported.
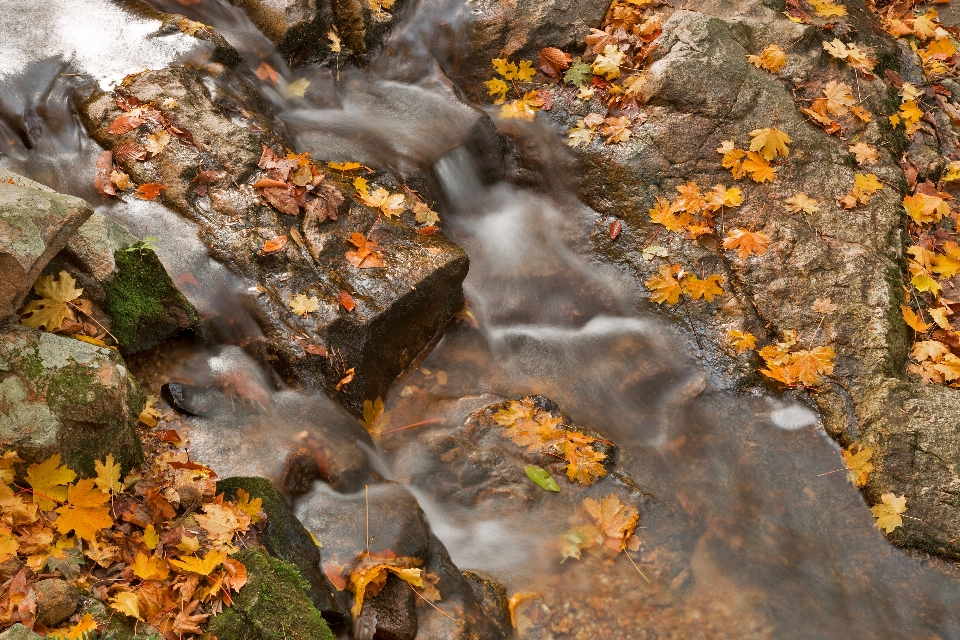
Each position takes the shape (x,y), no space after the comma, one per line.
(144,305)
(272,606)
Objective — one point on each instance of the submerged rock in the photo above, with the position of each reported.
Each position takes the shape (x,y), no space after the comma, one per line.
(400,308)
(273,605)
(35,224)
(61,395)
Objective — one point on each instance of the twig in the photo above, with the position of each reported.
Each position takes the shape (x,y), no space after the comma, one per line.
(636,567)
(442,612)
(415,424)
(829,472)
(692,327)
(651,238)
(366,489)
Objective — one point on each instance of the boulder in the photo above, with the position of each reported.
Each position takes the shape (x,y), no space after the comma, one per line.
(19,632)
(115,626)
(61,395)
(56,601)
(35,224)
(273,605)
(401,308)
(286,539)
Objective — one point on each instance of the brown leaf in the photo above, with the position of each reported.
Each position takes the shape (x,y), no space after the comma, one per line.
(124,124)
(210,176)
(347,300)
(161,507)
(367,253)
(275,244)
(149,191)
(266,72)
(127,150)
(328,200)
(101,180)
(169,435)
(264,183)
(283,199)
(347,379)
(615,227)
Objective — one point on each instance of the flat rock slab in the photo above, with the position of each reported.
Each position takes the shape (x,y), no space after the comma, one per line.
(60,395)
(35,224)
(401,308)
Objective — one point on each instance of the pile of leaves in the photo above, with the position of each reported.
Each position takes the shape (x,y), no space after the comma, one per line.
(293,184)
(153,547)
(367,575)
(528,426)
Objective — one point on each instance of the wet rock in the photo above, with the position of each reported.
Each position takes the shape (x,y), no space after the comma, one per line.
(35,224)
(60,395)
(401,308)
(491,29)
(492,596)
(285,538)
(852,257)
(396,611)
(132,295)
(181,399)
(56,601)
(396,525)
(273,605)
(300,28)
(19,632)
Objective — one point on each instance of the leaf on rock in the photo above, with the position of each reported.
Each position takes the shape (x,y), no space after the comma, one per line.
(888,511)
(53,307)
(390,205)
(367,254)
(275,244)
(616,521)
(857,459)
(913,320)
(770,143)
(301,305)
(741,340)
(839,96)
(772,58)
(541,477)
(864,153)
(149,191)
(802,202)
(127,151)
(665,287)
(375,419)
(84,513)
(708,288)
(747,243)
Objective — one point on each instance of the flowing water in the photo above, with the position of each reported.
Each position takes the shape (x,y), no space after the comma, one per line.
(746,532)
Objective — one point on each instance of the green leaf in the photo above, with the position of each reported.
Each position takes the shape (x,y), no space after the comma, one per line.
(542,478)
(579,73)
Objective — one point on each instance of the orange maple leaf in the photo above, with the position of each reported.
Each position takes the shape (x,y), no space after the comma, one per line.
(84,512)
(746,242)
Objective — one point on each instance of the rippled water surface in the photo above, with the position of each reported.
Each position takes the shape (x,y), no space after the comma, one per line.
(746,531)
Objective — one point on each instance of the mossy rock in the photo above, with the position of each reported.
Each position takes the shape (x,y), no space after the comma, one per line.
(273,605)
(286,538)
(144,305)
(118,626)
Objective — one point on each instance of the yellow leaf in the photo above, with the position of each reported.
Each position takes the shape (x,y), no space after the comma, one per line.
(204,566)
(924,282)
(888,511)
(949,366)
(742,340)
(505,68)
(79,631)
(150,567)
(526,71)
(47,480)
(344,166)
(108,475)
(360,184)
(827,8)
(127,603)
(928,350)
(157,142)
(924,26)
(665,287)
(708,289)
(222,522)
(607,64)
(7,460)
(772,58)
(189,544)
(150,537)
(953,172)
(84,512)
(334,39)
(662,214)
(758,168)
(52,308)
(250,507)
(839,97)
(857,459)
(617,521)
(867,183)
(301,305)
(924,209)
(864,153)
(939,316)
(149,416)
(746,242)
(497,88)
(912,320)
(390,205)
(523,109)
(297,88)
(375,419)
(770,143)
(802,202)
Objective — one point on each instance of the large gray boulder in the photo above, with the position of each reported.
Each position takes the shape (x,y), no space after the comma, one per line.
(35,224)
(60,395)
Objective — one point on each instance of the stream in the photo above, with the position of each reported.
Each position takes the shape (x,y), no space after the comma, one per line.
(750,528)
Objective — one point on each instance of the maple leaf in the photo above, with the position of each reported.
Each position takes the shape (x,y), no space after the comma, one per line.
(497,88)
(827,8)
(617,521)
(929,350)
(53,306)
(201,566)
(368,575)
(707,289)
(297,88)
(301,305)
(127,603)
(584,464)
(663,214)
(108,475)
(770,143)
(862,114)
(923,208)
(80,631)
(523,109)
(150,537)
(84,512)
(888,511)
(864,153)
(925,27)
(8,544)
(746,242)
(580,135)
(949,367)
(839,97)
(375,419)
(344,166)
(250,507)
(390,205)
(607,64)
(150,415)
(665,287)
(939,316)
(578,74)
(742,340)
(149,191)
(824,306)
(505,68)
(157,142)
(615,129)
(150,567)
(772,58)
(367,254)
(807,366)
(913,321)
(47,480)
(802,202)
(222,522)
(758,168)
(526,71)
(948,265)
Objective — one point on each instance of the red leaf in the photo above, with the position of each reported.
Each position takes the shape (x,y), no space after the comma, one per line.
(347,301)
(128,102)
(102,178)
(193,466)
(149,191)
(275,244)
(169,435)
(428,231)
(265,183)
(128,150)
(615,228)
(124,123)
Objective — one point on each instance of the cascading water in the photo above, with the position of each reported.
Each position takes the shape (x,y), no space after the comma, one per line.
(747,531)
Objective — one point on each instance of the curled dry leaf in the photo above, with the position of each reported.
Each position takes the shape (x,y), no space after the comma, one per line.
(346,300)
(275,244)
(367,254)
(101,180)
(149,191)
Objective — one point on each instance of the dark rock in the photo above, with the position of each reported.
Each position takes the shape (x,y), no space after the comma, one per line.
(492,596)
(188,399)
(56,601)
(285,538)
(60,395)
(401,309)
(273,605)
(35,224)
(396,611)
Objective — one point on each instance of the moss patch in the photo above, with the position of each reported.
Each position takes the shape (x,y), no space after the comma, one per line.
(144,305)
(272,606)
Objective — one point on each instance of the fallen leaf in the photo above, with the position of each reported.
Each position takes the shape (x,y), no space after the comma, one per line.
(913,320)
(346,379)
(746,243)
(127,150)
(201,566)
(266,72)
(53,306)
(127,603)
(665,287)
(770,143)
(275,244)
(772,58)
(541,477)
(742,340)
(346,300)
(802,202)
(149,191)
(367,254)
(108,475)
(864,153)
(888,511)
(301,305)
(84,513)
(617,521)
(48,480)
(857,459)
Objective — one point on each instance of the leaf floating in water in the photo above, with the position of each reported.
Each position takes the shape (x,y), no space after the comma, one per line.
(266,72)
(375,419)
(542,478)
